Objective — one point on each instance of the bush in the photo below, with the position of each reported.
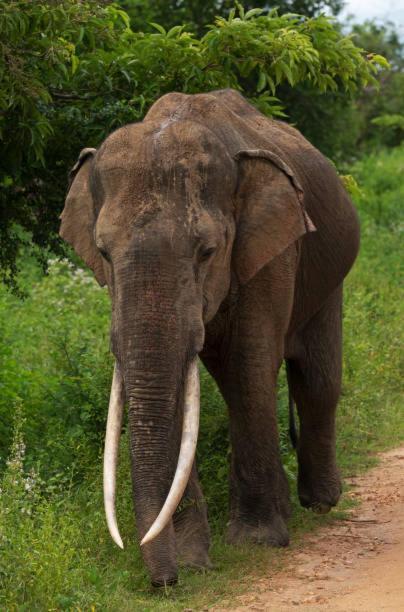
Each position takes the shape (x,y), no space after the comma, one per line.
(370,413)
(36,557)
(55,360)
(379,176)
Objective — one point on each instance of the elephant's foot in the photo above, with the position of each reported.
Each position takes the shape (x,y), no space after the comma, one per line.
(192,536)
(164,581)
(161,563)
(160,559)
(193,552)
(194,557)
(159,554)
(319,492)
(259,513)
(268,533)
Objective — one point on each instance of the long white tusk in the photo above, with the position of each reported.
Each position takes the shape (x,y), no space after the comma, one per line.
(111,450)
(186,456)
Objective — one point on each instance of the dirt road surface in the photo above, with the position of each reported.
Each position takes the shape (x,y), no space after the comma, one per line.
(354,565)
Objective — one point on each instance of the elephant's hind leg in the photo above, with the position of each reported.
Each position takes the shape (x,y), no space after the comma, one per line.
(315,382)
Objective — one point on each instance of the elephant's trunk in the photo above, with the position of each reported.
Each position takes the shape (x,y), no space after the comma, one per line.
(157,332)
(189,437)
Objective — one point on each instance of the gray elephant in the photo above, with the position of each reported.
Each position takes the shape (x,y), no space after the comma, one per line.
(224,234)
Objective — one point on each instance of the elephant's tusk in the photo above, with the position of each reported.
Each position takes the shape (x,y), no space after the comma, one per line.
(111,449)
(186,456)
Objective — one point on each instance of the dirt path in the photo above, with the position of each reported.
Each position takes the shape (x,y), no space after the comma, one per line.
(354,565)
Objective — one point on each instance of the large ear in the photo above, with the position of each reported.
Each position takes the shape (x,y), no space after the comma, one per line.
(269,211)
(78,218)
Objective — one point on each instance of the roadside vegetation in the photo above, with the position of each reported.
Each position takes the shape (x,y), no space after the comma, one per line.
(70,72)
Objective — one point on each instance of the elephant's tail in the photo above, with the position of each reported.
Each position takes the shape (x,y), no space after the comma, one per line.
(292,421)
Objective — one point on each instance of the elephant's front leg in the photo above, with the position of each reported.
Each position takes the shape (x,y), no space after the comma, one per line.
(245,364)
(191,526)
(259,494)
(244,350)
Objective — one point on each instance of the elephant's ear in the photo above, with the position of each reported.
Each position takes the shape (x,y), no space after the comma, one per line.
(77,226)
(269,211)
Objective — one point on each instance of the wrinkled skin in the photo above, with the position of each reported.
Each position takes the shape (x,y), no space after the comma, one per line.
(223,233)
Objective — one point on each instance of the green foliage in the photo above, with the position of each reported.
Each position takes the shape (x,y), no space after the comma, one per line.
(55,552)
(382,107)
(383,39)
(341,126)
(22,513)
(59,338)
(371,408)
(395,121)
(393,124)
(77,68)
(197,15)
(382,190)
(40,47)
(351,185)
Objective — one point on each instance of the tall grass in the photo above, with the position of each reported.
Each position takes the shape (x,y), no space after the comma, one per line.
(55,369)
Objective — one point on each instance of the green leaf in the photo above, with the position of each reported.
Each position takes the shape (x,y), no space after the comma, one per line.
(81,35)
(158,27)
(75,63)
(271,84)
(174,31)
(351,186)
(231,15)
(253,13)
(125,18)
(380,60)
(261,81)
(240,9)
(288,72)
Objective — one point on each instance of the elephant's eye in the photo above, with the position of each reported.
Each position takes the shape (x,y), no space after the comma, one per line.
(206,253)
(104,254)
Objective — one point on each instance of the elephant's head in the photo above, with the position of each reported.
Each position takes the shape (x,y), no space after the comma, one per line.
(168,218)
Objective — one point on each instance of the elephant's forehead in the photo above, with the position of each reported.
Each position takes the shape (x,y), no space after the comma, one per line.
(144,169)
(165,142)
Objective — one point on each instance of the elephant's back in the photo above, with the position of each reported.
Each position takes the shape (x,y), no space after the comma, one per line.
(326,255)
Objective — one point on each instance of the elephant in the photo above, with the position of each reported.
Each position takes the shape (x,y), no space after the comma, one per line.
(223,235)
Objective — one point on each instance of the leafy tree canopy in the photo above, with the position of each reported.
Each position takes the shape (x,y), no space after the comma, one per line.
(70,72)
(198,14)
(381,38)
(382,106)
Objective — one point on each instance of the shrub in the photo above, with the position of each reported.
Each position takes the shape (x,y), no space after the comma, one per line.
(56,361)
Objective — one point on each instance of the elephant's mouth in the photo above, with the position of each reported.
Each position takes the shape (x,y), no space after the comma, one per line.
(190,427)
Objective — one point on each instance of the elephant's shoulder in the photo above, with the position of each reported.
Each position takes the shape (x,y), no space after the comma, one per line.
(166,106)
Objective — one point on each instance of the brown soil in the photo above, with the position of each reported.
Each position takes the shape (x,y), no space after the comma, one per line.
(354,565)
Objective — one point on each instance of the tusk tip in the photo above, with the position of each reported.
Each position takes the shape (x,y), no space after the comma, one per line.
(117,539)
(120,544)
(147,538)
